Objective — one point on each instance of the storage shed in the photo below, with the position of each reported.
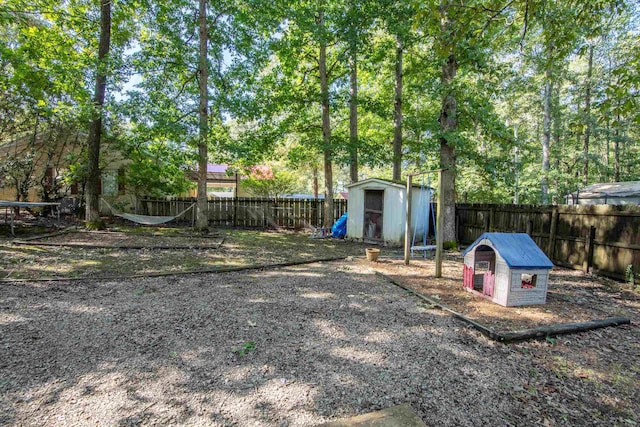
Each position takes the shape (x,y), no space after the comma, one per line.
(377,210)
(507,268)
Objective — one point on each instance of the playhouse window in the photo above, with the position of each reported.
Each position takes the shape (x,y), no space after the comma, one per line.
(528,281)
(482,266)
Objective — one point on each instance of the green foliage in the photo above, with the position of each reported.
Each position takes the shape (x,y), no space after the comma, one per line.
(95,225)
(450,246)
(264,89)
(76,170)
(629,275)
(245,349)
(17,171)
(273,184)
(156,169)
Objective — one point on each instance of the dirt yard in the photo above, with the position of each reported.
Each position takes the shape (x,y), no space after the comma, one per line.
(572,297)
(295,346)
(135,251)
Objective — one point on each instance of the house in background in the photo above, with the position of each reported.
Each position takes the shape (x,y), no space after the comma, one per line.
(39,163)
(302,196)
(608,193)
(34,163)
(221,182)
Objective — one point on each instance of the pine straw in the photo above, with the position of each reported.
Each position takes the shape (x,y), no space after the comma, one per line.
(572,296)
(289,347)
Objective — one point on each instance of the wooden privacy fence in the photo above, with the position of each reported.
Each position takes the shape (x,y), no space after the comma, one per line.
(249,212)
(604,238)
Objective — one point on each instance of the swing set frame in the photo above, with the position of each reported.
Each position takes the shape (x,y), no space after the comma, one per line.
(439,220)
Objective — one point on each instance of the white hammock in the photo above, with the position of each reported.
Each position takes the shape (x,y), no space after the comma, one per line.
(146,219)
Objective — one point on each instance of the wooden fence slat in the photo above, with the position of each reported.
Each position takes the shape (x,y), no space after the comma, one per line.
(560,231)
(249,212)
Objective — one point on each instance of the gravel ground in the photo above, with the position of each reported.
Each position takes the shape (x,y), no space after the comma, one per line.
(293,346)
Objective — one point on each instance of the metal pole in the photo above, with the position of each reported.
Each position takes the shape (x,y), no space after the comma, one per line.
(407,225)
(439,221)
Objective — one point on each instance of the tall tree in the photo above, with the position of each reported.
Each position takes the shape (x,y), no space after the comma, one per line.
(353,112)
(546,138)
(352,35)
(327,149)
(92,216)
(397,113)
(448,118)
(202,218)
(587,117)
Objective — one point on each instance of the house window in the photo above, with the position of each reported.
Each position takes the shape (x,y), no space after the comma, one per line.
(528,281)
(121,181)
(110,183)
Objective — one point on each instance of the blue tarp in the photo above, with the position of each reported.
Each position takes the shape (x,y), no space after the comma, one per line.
(339,229)
(518,250)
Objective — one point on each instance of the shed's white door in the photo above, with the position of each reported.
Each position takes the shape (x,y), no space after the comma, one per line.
(373,211)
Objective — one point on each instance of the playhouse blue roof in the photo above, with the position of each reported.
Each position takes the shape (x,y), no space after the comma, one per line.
(518,250)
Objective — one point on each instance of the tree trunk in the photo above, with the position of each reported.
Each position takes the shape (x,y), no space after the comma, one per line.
(516,164)
(353,113)
(448,123)
(92,210)
(616,149)
(326,128)
(202,217)
(557,133)
(397,115)
(587,118)
(607,157)
(546,139)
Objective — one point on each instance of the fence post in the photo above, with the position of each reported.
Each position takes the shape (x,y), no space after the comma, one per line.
(314,213)
(588,248)
(530,228)
(487,223)
(552,233)
(492,218)
(235,210)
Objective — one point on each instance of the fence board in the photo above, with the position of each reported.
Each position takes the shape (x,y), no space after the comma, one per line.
(248,212)
(561,232)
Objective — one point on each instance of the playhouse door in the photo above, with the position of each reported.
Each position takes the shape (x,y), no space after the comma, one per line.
(467,277)
(373,212)
(487,283)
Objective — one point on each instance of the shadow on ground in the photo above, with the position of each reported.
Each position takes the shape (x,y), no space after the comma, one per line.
(295,346)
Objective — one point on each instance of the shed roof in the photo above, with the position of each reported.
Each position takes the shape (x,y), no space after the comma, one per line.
(518,250)
(610,189)
(381,181)
(387,182)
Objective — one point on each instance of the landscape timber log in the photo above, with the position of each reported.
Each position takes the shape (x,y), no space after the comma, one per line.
(562,328)
(522,335)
